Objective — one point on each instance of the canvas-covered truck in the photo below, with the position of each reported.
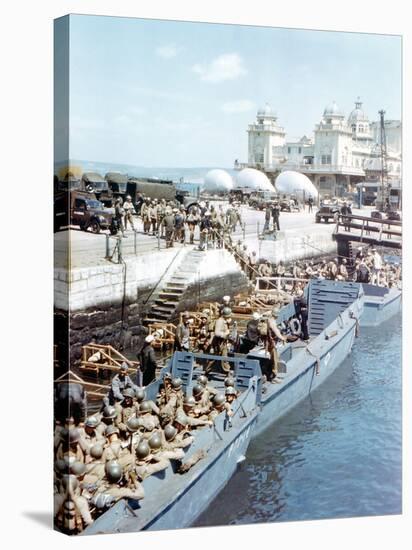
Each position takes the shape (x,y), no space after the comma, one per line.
(93,182)
(77,208)
(159,189)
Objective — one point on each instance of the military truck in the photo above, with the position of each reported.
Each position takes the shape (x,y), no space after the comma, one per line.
(159,189)
(117,184)
(327,210)
(81,209)
(93,182)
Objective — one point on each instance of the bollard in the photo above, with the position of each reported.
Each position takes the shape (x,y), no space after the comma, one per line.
(107,247)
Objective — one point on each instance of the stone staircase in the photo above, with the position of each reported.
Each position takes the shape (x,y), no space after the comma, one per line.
(165,301)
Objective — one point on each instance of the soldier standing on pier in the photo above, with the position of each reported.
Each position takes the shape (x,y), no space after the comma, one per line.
(169,225)
(129,210)
(118,215)
(144,212)
(276,214)
(182,335)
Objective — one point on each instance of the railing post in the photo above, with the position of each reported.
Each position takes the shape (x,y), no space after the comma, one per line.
(107,247)
(158,240)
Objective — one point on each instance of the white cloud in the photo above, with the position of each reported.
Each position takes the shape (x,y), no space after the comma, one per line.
(238,106)
(224,67)
(167,52)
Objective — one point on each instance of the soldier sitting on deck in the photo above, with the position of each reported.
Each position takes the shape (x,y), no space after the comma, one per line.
(147,463)
(119,382)
(114,487)
(189,404)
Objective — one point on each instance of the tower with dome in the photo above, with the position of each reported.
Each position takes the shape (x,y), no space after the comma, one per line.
(335,159)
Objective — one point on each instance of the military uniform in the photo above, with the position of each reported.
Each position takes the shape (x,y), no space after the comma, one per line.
(168,224)
(119,383)
(144,212)
(128,213)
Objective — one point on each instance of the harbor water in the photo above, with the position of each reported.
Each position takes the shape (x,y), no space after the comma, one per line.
(337,454)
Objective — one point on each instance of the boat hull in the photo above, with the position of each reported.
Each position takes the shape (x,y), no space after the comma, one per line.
(378,306)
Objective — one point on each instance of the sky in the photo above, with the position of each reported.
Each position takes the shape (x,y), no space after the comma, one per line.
(165,93)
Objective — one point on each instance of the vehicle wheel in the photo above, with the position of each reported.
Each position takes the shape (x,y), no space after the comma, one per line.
(317,220)
(95,227)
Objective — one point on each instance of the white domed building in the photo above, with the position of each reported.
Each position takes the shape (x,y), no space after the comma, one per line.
(290,182)
(335,159)
(217,181)
(253,179)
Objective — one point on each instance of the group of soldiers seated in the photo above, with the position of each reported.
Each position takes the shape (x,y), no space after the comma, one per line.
(107,456)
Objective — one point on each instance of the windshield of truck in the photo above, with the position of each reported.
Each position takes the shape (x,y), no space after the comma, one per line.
(94,204)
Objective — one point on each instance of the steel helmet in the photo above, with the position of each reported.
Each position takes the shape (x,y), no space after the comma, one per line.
(181,418)
(96,451)
(145,407)
(133,424)
(170,432)
(155,442)
(198,389)
(128,392)
(114,471)
(124,367)
(230,390)
(229,381)
(74,435)
(202,379)
(219,399)
(109,412)
(110,430)
(140,394)
(227,312)
(77,468)
(177,383)
(189,401)
(143,449)
(91,422)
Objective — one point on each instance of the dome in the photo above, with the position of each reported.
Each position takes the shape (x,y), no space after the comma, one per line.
(266,111)
(332,110)
(254,179)
(217,181)
(358,113)
(295,183)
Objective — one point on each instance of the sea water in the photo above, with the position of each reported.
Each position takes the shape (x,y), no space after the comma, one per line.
(336,454)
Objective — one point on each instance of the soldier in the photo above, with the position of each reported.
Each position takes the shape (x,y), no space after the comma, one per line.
(280,269)
(230,395)
(145,214)
(237,250)
(251,337)
(179,225)
(252,266)
(114,490)
(218,406)
(115,450)
(265,270)
(152,214)
(148,421)
(109,415)
(146,463)
(72,448)
(204,339)
(128,410)
(221,336)
(169,227)
(346,211)
(342,271)
(129,210)
(182,334)
(118,215)
(192,220)
(205,230)
(94,468)
(157,444)
(244,259)
(202,399)
(332,269)
(310,204)
(187,409)
(119,382)
(377,265)
(148,364)
(175,439)
(89,435)
(268,215)
(274,335)
(161,213)
(275,215)
(71,509)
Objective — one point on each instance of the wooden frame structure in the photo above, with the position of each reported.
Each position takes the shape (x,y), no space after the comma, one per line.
(91,388)
(107,358)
